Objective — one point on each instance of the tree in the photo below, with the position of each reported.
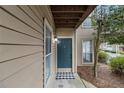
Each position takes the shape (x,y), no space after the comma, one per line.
(108,21)
(115,25)
(98,18)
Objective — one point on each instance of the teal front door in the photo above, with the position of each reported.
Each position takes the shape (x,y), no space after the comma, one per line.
(64,53)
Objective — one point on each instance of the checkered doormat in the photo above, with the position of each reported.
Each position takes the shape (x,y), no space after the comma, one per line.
(65,75)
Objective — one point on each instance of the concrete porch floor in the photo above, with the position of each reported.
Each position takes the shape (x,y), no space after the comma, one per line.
(70,83)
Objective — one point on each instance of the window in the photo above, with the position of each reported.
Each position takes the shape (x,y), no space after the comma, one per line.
(87,23)
(87,51)
(48,41)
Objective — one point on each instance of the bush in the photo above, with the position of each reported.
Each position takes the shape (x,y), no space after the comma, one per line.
(103,57)
(117,64)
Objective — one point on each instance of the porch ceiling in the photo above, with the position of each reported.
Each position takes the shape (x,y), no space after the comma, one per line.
(70,16)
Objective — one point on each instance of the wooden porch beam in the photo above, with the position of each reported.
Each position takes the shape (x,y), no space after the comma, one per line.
(61,26)
(65,25)
(85,15)
(66,17)
(68,11)
(69,22)
(66,20)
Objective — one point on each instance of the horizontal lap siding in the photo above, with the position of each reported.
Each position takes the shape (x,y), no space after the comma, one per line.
(21,46)
(9,21)
(20,37)
(14,51)
(27,76)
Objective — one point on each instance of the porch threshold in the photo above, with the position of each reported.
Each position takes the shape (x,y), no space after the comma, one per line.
(65,83)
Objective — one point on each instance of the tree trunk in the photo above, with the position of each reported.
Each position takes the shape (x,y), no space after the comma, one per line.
(95,60)
(96,48)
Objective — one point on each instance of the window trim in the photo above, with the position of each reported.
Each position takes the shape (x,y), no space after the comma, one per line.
(47,25)
(91,49)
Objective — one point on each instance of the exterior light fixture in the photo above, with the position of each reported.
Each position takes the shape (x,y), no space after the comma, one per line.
(55,39)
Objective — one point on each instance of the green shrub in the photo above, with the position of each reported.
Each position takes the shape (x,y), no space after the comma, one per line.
(102,56)
(117,64)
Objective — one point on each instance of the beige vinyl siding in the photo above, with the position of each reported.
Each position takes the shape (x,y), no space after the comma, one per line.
(65,32)
(21,45)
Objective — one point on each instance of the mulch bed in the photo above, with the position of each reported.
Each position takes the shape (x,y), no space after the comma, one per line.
(105,78)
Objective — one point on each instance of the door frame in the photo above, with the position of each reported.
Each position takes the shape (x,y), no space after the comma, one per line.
(64,37)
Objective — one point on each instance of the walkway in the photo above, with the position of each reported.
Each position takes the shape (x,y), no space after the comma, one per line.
(68,83)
